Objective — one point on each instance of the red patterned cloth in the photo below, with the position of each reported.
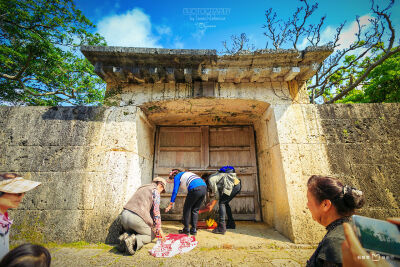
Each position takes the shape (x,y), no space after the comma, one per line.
(175,244)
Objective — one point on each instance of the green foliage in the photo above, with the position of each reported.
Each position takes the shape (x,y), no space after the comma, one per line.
(40,61)
(382,84)
(384,81)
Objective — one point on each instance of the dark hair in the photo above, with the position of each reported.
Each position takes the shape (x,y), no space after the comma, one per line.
(205,177)
(27,255)
(173,173)
(9,175)
(345,198)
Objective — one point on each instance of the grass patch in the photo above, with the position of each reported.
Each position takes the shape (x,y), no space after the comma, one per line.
(79,244)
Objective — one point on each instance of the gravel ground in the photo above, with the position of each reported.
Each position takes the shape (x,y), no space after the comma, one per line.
(251,244)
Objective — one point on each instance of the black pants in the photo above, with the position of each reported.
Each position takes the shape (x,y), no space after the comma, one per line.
(192,205)
(224,207)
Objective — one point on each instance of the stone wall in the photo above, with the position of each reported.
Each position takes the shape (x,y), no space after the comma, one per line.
(89,160)
(269,92)
(357,143)
(363,147)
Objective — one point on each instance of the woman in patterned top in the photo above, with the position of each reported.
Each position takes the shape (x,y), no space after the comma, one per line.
(331,204)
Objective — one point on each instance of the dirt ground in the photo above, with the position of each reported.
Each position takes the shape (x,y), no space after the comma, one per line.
(250,244)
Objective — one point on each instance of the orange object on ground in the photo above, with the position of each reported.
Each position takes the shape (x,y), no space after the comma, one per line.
(203,225)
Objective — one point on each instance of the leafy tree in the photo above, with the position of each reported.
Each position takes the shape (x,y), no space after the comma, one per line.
(381,85)
(384,81)
(40,62)
(348,68)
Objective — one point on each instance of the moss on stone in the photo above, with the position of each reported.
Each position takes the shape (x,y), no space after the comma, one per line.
(29,231)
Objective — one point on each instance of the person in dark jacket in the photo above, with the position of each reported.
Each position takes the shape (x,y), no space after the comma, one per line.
(141,218)
(225,185)
(331,204)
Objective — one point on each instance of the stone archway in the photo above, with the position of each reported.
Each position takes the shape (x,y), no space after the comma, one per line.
(272,199)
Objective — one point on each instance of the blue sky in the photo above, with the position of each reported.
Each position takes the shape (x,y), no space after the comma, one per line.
(172,24)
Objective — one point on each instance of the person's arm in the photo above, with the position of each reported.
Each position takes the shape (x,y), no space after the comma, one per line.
(156,213)
(177,183)
(213,180)
(214,189)
(209,207)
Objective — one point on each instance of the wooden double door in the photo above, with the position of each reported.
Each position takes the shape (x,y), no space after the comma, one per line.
(204,149)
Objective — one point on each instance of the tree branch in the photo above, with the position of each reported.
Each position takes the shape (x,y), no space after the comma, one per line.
(365,74)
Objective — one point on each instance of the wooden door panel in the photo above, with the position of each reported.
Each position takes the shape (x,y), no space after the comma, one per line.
(247,183)
(180,139)
(229,136)
(242,205)
(205,149)
(233,158)
(179,159)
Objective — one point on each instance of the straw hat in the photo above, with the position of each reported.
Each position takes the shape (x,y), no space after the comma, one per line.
(162,180)
(16,185)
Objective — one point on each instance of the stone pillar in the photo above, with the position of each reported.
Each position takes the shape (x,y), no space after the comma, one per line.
(128,147)
(301,152)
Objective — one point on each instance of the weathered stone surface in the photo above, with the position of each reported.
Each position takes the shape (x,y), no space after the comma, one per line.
(159,65)
(363,150)
(91,160)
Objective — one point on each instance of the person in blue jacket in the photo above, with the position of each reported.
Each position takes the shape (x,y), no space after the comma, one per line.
(197,189)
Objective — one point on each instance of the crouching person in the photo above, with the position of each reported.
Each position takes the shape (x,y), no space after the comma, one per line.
(141,218)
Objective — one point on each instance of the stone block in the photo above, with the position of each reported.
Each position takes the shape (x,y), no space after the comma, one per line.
(290,124)
(42,226)
(58,191)
(45,159)
(314,159)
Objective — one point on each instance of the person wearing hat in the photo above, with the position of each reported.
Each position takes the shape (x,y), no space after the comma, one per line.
(12,190)
(197,190)
(141,218)
(225,185)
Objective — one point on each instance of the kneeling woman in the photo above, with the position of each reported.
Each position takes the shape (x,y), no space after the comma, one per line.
(331,204)
(197,189)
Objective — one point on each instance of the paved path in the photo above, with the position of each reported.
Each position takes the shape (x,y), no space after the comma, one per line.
(251,244)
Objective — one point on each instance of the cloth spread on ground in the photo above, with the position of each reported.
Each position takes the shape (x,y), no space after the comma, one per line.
(175,244)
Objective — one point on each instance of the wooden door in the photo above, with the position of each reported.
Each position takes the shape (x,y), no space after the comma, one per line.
(204,149)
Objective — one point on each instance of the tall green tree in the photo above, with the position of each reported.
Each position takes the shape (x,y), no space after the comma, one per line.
(40,61)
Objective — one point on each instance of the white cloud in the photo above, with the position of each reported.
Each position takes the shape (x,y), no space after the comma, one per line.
(346,37)
(132,29)
(163,30)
